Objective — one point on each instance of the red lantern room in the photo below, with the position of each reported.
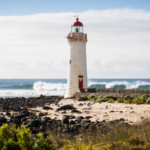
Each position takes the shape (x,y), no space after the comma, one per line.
(77,26)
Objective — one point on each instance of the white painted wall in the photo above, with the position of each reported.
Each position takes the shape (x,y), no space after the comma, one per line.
(78,66)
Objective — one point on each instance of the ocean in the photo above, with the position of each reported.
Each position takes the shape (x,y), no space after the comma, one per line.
(35,87)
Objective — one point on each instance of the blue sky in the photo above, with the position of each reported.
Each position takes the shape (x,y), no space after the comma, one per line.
(28,7)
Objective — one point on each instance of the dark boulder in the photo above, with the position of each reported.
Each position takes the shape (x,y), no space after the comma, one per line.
(8,114)
(47,108)
(42,128)
(20,116)
(88,117)
(41,114)
(35,123)
(76,111)
(80,117)
(65,107)
(72,122)
(3,120)
(65,120)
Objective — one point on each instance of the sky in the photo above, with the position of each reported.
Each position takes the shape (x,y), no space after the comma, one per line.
(33,40)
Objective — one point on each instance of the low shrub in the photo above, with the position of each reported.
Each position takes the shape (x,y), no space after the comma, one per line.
(145,96)
(111,101)
(120,100)
(128,97)
(108,97)
(128,101)
(100,99)
(148,101)
(22,139)
(136,101)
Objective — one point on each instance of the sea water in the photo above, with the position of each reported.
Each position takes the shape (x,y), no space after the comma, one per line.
(35,87)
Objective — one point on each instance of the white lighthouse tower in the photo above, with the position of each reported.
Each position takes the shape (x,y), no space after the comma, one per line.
(77,68)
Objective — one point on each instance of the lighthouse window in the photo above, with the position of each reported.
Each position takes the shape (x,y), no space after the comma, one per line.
(77,29)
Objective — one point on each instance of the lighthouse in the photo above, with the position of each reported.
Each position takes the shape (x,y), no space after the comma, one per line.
(77,67)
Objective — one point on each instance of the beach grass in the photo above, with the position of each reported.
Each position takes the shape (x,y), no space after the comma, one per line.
(114,137)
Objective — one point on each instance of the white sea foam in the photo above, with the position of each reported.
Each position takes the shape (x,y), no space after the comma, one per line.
(43,86)
(28,93)
(38,89)
(48,89)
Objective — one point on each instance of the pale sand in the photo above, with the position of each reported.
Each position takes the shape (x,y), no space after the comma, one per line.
(131,112)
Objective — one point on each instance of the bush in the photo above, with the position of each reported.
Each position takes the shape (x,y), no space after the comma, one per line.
(108,97)
(129,101)
(100,99)
(136,101)
(21,139)
(120,100)
(145,96)
(128,97)
(111,101)
(148,101)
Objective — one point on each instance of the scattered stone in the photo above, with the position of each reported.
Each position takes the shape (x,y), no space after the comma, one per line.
(47,108)
(65,107)
(111,111)
(76,111)
(80,117)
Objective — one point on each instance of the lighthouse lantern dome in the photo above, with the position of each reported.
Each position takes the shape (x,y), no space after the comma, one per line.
(77,26)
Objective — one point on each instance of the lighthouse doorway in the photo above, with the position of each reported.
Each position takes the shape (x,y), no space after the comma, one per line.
(80,82)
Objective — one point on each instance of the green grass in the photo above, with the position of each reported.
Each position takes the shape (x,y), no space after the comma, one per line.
(115,137)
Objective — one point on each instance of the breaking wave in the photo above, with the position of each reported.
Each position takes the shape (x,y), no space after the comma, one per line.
(59,87)
(120,85)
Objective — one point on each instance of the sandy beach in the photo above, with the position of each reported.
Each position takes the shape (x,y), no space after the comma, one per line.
(132,113)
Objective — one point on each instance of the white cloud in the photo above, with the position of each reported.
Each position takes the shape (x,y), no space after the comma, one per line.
(34,46)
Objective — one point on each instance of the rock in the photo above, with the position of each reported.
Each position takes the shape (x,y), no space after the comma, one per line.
(83,99)
(80,104)
(65,120)
(66,130)
(122,119)
(5,108)
(41,114)
(8,114)
(88,117)
(72,117)
(72,122)
(80,117)
(65,107)
(3,120)
(20,116)
(42,128)
(78,125)
(35,123)
(87,126)
(24,112)
(34,131)
(16,121)
(76,111)
(111,111)
(83,122)
(47,108)
(73,128)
